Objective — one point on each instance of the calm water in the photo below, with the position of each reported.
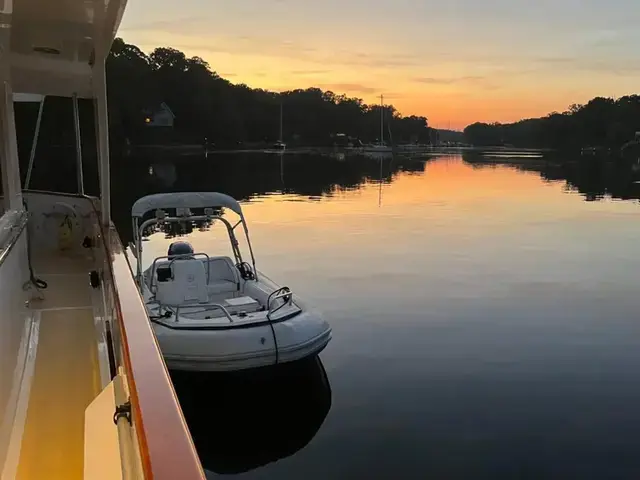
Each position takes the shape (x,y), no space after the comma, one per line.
(484,315)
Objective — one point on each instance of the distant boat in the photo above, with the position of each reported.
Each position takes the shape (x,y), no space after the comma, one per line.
(280,145)
(356,146)
(588,151)
(380,147)
(377,148)
(379,154)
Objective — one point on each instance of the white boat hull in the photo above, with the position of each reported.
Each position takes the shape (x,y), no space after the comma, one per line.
(217,313)
(303,336)
(197,339)
(377,149)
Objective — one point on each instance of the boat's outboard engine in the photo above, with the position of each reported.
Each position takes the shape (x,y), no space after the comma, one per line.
(180,248)
(175,249)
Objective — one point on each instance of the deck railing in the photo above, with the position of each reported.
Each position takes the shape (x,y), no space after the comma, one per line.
(164,443)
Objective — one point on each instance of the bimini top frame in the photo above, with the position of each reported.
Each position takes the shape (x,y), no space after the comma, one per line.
(186,201)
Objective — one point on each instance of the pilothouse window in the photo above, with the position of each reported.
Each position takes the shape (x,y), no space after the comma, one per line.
(48,149)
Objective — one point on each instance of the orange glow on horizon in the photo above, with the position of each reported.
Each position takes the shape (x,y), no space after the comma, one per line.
(426,60)
(445,106)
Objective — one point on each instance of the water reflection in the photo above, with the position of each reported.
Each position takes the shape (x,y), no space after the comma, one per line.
(484,320)
(244,175)
(594,178)
(319,174)
(163,174)
(241,421)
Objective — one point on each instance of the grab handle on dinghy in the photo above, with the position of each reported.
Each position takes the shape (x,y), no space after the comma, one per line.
(283,292)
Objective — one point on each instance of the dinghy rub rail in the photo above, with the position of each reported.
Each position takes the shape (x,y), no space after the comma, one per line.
(184,200)
(229,326)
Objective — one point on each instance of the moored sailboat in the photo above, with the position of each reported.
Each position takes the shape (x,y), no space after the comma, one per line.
(280,145)
(380,149)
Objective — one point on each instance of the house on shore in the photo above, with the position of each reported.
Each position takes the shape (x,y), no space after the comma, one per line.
(162,116)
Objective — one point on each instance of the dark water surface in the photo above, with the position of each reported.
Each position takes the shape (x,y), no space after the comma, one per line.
(484,316)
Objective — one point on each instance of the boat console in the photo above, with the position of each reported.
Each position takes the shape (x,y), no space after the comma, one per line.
(182,281)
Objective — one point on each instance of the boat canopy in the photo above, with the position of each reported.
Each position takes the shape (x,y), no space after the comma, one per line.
(184,200)
(187,200)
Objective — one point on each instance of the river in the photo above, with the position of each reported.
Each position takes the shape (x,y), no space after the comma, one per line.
(483,313)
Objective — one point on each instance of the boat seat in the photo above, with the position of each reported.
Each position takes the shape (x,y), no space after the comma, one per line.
(222,286)
(223,268)
(223,276)
(186,284)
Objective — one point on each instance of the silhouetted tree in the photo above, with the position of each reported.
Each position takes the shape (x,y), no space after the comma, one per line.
(602,122)
(206,105)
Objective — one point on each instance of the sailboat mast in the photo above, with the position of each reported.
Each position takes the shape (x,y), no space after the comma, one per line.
(281,139)
(381,120)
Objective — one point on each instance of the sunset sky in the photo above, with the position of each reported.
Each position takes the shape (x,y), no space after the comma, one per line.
(454,61)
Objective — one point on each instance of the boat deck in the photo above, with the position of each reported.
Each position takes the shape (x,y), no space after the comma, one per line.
(66,372)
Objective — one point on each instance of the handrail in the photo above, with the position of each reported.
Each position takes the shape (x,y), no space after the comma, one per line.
(285,292)
(165,444)
(163,439)
(183,256)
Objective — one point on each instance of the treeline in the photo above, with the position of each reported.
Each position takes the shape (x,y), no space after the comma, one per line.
(602,122)
(207,105)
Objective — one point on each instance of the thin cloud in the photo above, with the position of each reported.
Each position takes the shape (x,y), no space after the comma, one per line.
(609,38)
(449,80)
(613,66)
(376,60)
(169,26)
(277,48)
(556,60)
(309,72)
